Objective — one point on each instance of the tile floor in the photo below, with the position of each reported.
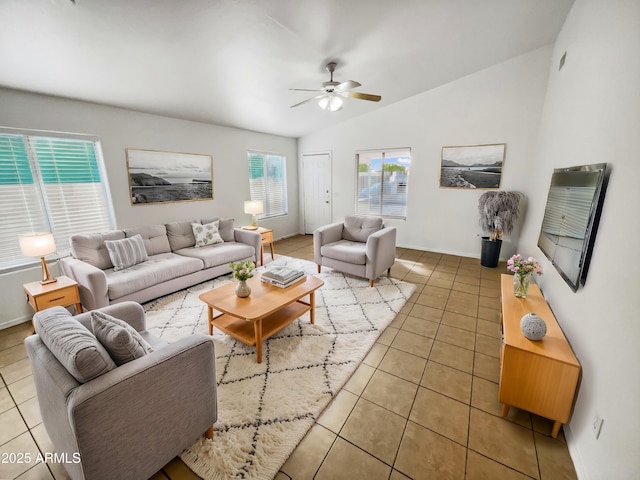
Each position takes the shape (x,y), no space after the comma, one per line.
(422,405)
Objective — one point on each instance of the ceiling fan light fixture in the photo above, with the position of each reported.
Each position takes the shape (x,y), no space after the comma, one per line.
(331,103)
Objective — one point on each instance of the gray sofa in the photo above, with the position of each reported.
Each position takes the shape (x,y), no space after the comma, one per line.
(361,246)
(174,263)
(125,421)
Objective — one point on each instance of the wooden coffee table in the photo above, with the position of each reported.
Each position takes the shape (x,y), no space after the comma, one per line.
(265,312)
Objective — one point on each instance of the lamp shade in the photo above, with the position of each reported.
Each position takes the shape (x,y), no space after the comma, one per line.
(254,207)
(37,244)
(331,103)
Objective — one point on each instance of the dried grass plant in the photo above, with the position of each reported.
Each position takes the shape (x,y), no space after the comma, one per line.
(499,212)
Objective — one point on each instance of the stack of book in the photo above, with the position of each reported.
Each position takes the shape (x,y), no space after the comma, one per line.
(282,276)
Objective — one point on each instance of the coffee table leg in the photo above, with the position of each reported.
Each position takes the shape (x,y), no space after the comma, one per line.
(257,327)
(210,315)
(312,306)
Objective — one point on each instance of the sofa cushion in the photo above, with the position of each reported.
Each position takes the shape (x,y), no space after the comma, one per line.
(219,254)
(120,339)
(346,251)
(159,268)
(180,235)
(90,247)
(206,234)
(357,228)
(154,236)
(126,252)
(225,227)
(75,347)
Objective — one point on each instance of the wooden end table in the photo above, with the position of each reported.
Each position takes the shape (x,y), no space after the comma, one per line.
(64,292)
(267,239)
(265,312)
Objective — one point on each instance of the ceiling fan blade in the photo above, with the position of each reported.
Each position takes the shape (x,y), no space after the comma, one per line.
(363,96)
(307,89)
(348,85)
(307,100)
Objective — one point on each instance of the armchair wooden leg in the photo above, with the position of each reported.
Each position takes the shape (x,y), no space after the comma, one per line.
(319,267)
(371,283)
(209,433)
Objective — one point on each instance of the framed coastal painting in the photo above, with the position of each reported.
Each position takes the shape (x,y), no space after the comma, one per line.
(162,177)
(473,166)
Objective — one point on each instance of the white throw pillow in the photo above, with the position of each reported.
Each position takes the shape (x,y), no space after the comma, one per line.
(126,252)
(206,234)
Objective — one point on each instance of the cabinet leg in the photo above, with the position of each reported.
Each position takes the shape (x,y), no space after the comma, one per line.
(505,410)
(556,429)
(210,320)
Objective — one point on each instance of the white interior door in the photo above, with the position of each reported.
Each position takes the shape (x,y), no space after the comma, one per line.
(316,169)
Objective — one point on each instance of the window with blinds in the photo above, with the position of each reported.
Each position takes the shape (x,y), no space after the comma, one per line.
(383,182)
(268,182)
(52,184)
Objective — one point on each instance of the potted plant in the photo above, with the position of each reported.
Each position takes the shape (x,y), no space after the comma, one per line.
(498,214)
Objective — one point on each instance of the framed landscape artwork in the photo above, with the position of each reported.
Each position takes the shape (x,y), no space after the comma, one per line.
(474,166)
(162,177)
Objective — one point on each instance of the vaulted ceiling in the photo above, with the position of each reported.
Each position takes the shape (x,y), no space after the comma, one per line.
(232,62)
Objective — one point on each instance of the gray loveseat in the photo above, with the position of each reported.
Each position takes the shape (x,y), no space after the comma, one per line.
(174,262)
(114,420)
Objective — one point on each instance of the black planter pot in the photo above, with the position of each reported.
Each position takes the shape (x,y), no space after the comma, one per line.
(490,252)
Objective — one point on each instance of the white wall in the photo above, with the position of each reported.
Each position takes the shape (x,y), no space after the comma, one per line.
(592,115)
(501,104)
(119,129)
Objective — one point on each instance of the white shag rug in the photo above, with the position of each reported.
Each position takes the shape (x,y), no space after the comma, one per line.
(264,410)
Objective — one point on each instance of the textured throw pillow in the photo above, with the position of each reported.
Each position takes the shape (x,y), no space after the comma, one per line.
(75,347)
(225,227)
(206,234)
(121,340)
(126,252)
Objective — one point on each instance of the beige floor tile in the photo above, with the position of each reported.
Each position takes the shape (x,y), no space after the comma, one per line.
(452,356)
(426,328)
(412,343)
(346,462)
(484,396)
(415,278)
(12,354)
(38,472)
(489,314)
(457,320)
(447,381)
(426,313)
(391,392)
(387,335)
(176,469)
(486,367)
(15,335)
(396,475)
(403,365)
(503,441)
(465,287)
(434,281)
(375,355)
(492,303)
(30,411)
(442,414)
(16,371)
(483,468)
(462,308)
(398,321)
(434,297)
(464,277)
(485,327)
(337,412)
(23,389)
(456,336)
(544,426)
(446,268)
(426,455)
(554,458)
(488,345)
(21,444)
(11,425)
(380,438)
(358,381)
(6,402)
(306,459)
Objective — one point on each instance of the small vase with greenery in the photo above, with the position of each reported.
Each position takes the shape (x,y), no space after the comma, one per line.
(499,211)
(242,271)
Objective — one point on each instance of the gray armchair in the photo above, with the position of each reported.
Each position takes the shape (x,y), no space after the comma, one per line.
(131,420)
(361,246)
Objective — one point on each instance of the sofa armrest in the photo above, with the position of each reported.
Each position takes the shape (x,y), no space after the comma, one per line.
(250,237)
(92,282)
(380,252)
(324,235)
(161,403)
(130,312)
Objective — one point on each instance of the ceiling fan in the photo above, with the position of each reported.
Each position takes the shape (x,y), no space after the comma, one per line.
(332,92)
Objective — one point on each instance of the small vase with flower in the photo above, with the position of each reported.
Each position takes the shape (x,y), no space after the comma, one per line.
(522,270)
(242,271)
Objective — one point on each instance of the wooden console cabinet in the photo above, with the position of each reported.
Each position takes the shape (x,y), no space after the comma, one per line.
(538,376)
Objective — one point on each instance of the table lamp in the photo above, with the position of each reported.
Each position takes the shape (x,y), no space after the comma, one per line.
(39,244)
(254,207)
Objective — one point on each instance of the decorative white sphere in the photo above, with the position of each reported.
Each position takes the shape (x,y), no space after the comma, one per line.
(533,327)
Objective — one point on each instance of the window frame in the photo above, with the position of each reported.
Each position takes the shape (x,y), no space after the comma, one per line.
(266,189)
(44,219)
(382,205)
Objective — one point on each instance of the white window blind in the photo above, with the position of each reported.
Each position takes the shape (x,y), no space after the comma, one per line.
(53,184)
(383,182)
(268,182)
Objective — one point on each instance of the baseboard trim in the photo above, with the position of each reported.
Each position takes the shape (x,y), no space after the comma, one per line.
(14,321)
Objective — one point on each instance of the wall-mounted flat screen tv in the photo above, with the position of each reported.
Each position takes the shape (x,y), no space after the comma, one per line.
(571,219)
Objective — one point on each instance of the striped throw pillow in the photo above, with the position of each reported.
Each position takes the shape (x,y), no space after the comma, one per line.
(126,252)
